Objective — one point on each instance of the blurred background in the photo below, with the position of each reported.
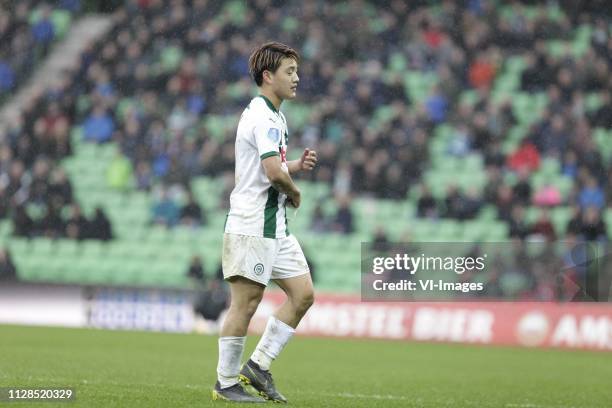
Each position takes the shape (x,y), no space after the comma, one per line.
(474,120)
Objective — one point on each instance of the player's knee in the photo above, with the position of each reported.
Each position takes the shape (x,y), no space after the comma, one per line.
(251,304)
(246,305)
(304,301)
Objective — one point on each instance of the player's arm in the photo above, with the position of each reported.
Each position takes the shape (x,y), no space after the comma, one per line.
(281,180)
(305,163)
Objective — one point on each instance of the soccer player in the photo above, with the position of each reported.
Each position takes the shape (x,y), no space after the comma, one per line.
(257,246)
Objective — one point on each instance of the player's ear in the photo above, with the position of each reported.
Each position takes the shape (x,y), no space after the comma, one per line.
(267,76)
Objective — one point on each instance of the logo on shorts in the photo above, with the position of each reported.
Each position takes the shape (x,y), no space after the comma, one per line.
(258,269)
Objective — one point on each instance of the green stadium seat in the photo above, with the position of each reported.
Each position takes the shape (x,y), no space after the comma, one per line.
(6,229)
(449,230)
(157,234)
(472,163)
(61,22)
(516,64)
(512,283)
(127,231)
(498,231)
(448,165)
(19,246)
(531,215)
(397,62)
(479,229)
(42,247)
(72,270)
(33,267)
(488,213)
(67,247)
(550,166)
(592,101)
(170,58)
(560,217)
(184,235)
(93,248)
(473,232)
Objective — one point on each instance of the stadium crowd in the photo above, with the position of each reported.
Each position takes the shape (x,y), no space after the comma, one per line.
(28,28)
(164,80)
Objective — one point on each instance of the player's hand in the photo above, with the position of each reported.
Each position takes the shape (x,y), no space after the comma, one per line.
(295,200)
(308,161)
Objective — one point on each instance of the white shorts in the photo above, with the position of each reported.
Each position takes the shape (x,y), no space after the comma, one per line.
(261,259)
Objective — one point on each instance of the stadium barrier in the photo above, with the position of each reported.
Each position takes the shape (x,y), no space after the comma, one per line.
(548,325)
(568,325)
(167,310)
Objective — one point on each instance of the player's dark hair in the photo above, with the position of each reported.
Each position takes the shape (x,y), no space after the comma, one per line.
(268,57)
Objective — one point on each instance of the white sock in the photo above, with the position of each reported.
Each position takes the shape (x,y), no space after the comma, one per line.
(276,335)
(230,355)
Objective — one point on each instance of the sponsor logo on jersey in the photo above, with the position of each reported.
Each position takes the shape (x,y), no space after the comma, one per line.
(274,135)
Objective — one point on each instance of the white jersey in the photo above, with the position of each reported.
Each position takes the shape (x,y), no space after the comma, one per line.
(257,208)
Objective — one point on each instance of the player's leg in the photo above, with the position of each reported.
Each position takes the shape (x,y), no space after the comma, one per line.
(300,296)
(292,275)
(245,297)
(243,269)
(281,326)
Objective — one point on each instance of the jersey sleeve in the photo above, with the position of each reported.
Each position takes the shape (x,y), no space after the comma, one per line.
(267,138)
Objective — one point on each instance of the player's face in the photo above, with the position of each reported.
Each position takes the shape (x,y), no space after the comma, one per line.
(286,79)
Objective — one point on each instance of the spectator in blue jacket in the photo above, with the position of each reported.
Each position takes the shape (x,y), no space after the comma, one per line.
(98,126)
(591,195)
(7,77)
(43,30)
(165,211)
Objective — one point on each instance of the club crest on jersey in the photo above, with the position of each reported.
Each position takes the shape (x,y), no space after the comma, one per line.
(274,135)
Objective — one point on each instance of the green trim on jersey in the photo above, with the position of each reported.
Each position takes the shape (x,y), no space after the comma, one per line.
(270,214)
(286,226)
(269,103)
(269,154)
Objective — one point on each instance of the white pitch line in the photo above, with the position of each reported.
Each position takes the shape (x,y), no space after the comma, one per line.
(366,396)
(348,395)
(421,400)
(530,405)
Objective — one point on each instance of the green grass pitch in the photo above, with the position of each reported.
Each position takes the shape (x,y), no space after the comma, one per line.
(140,369)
